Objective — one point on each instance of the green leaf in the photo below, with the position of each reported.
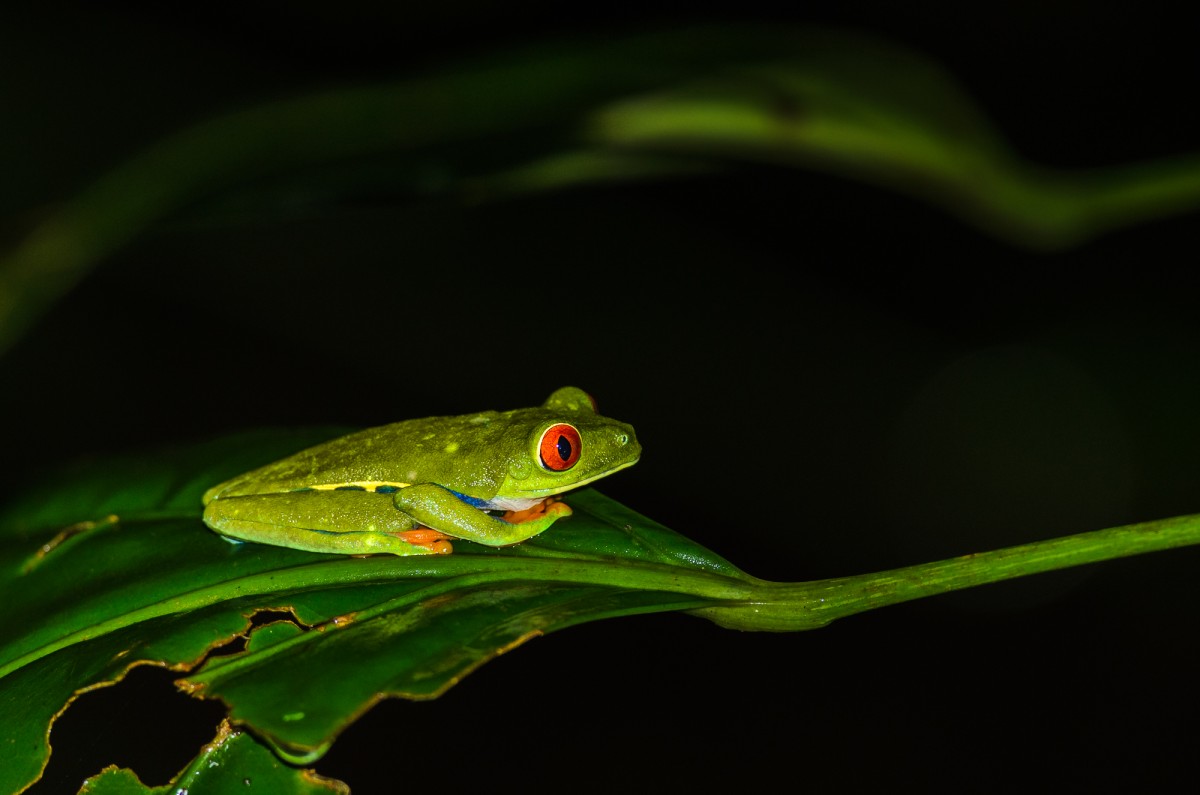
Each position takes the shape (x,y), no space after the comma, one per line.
(232,763)
(118,781)
(147,583)
(326,636)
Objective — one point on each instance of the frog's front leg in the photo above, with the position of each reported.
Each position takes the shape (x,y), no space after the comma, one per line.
(342,522)
(439,508)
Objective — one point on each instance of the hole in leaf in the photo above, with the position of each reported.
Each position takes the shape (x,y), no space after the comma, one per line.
(264,617)
(143,723)
(237,644)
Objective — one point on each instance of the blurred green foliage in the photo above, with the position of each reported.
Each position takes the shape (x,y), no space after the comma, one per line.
(649,106)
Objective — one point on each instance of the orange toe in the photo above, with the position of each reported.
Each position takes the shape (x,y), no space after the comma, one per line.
(549,505)
(436,542)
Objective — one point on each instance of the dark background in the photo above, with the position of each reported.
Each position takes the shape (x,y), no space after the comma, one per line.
(827,379)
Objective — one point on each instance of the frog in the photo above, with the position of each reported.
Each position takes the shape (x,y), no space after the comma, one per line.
(414,487)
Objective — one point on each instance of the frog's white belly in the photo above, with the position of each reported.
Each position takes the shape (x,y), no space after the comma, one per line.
(510,504)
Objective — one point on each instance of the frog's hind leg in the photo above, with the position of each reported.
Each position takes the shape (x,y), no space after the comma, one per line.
(347,542)
(343,523)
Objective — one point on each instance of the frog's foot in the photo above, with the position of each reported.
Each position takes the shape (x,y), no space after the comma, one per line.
(432,541)
(551,507)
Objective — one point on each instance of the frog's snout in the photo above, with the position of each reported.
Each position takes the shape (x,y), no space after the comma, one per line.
(627,442)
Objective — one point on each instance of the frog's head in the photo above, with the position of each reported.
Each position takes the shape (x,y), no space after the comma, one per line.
(566,444)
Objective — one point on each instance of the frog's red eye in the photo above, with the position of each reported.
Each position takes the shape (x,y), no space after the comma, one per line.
(560,447)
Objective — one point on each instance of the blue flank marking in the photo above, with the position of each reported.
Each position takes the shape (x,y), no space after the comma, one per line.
(474,502)
(386,489)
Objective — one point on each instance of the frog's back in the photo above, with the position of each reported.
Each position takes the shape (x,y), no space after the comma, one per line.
(447,450)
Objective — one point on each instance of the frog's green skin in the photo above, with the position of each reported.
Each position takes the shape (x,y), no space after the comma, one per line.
(369,491)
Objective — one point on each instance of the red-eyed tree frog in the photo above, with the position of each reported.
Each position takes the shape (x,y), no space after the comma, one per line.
(409,487)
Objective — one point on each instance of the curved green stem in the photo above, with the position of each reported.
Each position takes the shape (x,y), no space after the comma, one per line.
(795,606)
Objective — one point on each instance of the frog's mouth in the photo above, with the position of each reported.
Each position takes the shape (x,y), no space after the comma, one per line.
(550,491)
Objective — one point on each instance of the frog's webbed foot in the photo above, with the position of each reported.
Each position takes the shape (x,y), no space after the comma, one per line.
(432,541)
(551,505)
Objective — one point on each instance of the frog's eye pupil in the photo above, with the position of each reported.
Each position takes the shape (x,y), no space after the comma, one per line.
(559,447)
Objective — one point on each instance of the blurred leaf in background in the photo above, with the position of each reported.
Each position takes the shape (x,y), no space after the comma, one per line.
(652,106)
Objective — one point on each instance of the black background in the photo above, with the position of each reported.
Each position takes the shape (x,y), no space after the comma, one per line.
(827,379)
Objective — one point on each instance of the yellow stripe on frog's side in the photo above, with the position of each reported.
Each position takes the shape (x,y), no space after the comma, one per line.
(365,485)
